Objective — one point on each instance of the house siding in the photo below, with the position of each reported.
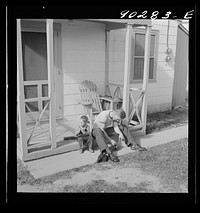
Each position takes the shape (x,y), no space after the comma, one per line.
(83,58)
(160,91)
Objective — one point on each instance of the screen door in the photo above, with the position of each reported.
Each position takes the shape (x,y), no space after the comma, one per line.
(34,48)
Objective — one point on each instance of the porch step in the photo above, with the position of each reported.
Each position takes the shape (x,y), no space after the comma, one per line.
(58,163)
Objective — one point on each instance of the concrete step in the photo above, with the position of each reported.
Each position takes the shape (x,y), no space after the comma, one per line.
(62,162)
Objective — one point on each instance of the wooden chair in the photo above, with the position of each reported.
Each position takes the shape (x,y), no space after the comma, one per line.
(91,100)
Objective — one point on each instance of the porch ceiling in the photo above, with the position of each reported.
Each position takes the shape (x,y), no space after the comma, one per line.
(112,24)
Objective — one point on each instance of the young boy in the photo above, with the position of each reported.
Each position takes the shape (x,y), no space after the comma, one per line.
(83,134)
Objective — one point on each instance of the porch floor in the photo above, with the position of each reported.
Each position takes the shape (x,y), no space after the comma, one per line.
(40,139)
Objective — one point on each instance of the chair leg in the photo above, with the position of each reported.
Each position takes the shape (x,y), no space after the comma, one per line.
(111,105)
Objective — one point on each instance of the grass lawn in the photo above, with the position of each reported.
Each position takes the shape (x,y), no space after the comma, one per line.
(168,119)
(163,168)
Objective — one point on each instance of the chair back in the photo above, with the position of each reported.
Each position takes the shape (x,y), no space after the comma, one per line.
(88,92)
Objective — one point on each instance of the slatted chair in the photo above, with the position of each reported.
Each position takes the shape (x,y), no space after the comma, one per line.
(91,100)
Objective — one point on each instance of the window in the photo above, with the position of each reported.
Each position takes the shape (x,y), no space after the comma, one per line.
(138,55)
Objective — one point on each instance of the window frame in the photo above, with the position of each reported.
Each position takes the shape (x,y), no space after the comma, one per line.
(142,31)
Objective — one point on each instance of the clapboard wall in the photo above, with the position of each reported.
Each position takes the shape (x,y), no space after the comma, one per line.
(83,58)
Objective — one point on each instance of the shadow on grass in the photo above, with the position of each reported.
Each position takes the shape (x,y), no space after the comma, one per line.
(168,162)
(101,186)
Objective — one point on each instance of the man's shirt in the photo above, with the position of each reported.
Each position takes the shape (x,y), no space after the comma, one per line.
(105,119)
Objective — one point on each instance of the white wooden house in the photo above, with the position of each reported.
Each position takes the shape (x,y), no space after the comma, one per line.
(54,56)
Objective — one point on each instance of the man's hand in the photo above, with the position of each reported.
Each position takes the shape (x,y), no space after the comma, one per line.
(121,137)
(113,142)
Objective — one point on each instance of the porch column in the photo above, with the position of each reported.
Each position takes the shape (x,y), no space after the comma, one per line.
(20,93)
(127,68)
(146,76)
(51,86)
(107,89)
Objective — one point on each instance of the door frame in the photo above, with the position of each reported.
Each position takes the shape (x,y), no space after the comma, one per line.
(40,26)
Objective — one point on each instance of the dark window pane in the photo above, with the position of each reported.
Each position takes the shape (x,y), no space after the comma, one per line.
(139,44)
(152,45)
(151,68)
(138,68)
(30,91)
(33,106)
(34,50)
(45,90)
(44,104)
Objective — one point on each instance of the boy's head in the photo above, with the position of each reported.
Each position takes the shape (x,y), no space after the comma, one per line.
(83,120)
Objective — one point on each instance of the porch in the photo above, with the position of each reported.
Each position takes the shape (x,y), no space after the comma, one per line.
(42,138)
(39,141)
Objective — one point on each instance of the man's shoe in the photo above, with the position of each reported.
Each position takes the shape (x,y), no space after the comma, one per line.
(113,158)
(103,157)
(138,147)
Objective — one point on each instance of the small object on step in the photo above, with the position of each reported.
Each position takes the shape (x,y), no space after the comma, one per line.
(138,147)
(91,150)
(177,107)
(173,125)
(82,135)
(70,138)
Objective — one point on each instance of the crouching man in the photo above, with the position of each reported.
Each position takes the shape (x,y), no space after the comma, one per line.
(104,134)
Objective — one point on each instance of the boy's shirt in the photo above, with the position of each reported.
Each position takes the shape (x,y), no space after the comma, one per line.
(83,130)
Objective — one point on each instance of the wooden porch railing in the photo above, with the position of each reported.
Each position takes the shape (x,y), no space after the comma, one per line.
(137,110)
(137,105)
(116,95)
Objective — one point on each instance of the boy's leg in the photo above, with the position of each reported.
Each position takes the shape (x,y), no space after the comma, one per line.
(89,143)
(80,141)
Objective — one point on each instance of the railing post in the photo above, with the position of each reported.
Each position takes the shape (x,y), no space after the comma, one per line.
(127,68)
(146,76)
(20,92)
(51,86)
(107,35)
